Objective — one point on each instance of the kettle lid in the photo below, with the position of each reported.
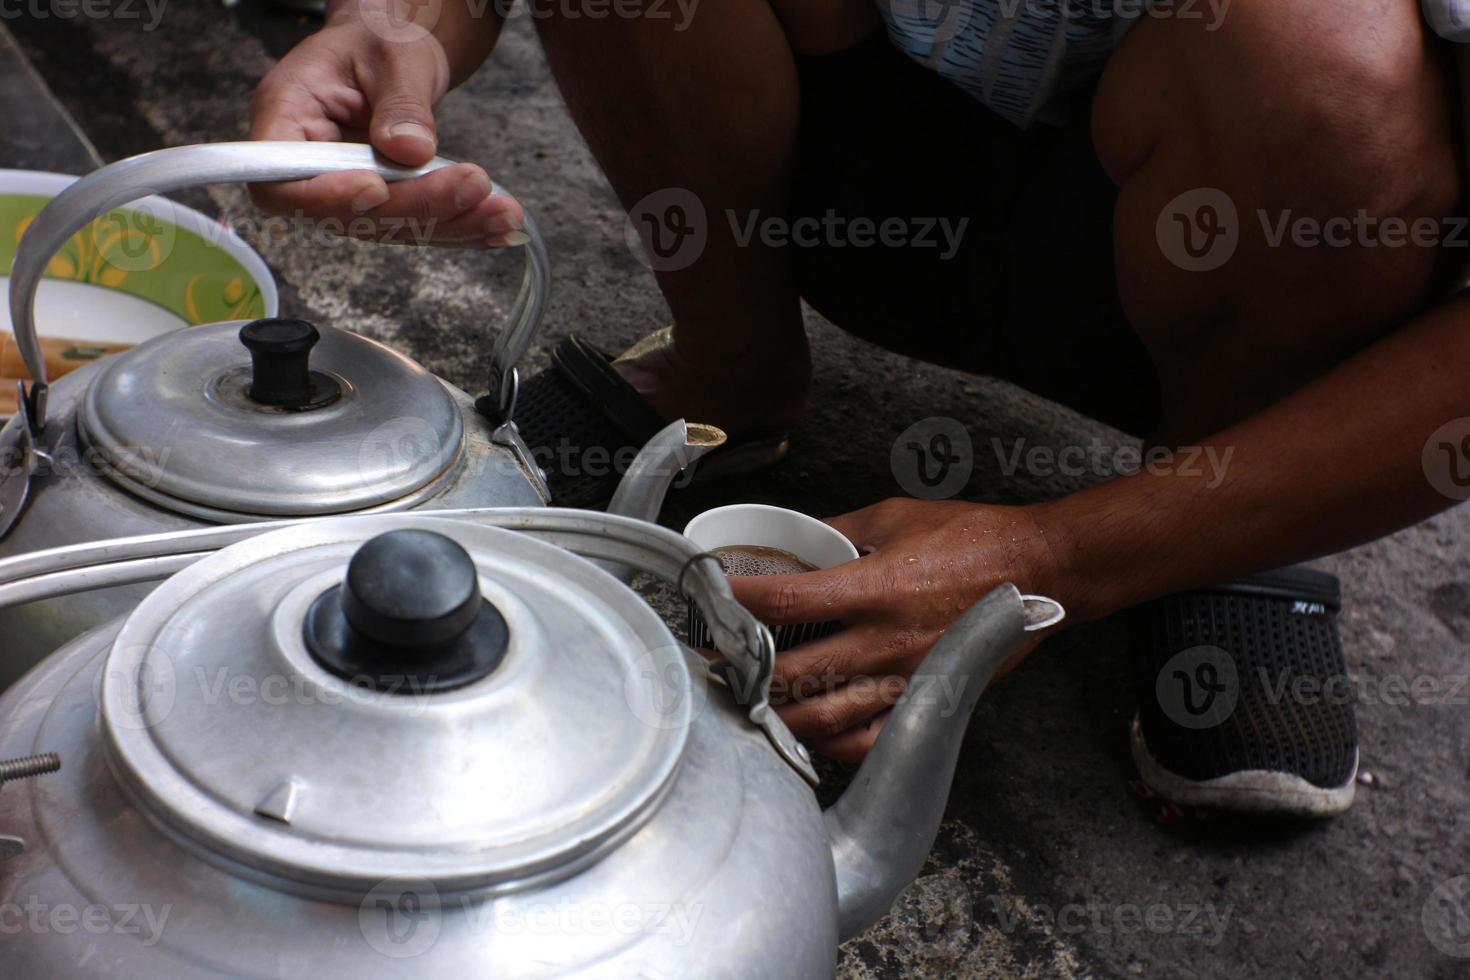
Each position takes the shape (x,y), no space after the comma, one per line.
(384,696)
(270,418)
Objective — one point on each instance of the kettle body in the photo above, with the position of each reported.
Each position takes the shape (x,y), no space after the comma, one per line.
(670,840)
(388,745)
(732,878)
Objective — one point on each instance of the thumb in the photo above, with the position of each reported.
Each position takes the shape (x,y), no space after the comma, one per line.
(402,127)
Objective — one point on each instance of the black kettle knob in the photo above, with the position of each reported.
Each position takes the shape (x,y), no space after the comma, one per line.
(408,617)
(280,365)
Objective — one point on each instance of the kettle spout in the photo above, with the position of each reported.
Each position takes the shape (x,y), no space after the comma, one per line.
(671,451)
(885,823)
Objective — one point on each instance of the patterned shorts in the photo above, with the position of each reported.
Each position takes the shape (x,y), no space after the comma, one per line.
(1016,56)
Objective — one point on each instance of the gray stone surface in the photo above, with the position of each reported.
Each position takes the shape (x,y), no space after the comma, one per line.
(1047,866)
(39,134)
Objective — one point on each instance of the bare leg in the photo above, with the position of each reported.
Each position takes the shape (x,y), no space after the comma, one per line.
(711,109)
(1294,110)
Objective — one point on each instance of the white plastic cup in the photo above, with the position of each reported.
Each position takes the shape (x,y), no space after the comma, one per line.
(764,526)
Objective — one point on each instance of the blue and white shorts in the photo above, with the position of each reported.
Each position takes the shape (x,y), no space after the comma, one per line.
(1018,57)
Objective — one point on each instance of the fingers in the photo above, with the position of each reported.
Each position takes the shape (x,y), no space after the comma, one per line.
(810,597)
(338,196)
(853,745)
(856,651)
(335,86)
(854,703)
(452,206)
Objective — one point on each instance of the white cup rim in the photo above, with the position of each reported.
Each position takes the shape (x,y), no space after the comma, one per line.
(804,536)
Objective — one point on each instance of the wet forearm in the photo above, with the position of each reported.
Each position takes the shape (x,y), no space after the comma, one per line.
(1363,451)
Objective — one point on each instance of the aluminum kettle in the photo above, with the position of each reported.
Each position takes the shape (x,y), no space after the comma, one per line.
(235,422)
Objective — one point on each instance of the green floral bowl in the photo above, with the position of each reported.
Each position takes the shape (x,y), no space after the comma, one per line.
(134,273)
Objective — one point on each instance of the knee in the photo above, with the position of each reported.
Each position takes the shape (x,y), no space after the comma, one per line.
(1368,116)
(1316,107)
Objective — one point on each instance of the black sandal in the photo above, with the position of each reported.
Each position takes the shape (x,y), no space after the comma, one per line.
(584,423)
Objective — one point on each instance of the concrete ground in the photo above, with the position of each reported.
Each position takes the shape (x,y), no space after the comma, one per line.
(1048,865)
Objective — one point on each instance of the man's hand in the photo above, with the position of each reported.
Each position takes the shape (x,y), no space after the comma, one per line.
(924,563)
(371,76)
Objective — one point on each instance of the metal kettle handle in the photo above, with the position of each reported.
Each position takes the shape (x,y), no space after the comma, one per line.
(251,162)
